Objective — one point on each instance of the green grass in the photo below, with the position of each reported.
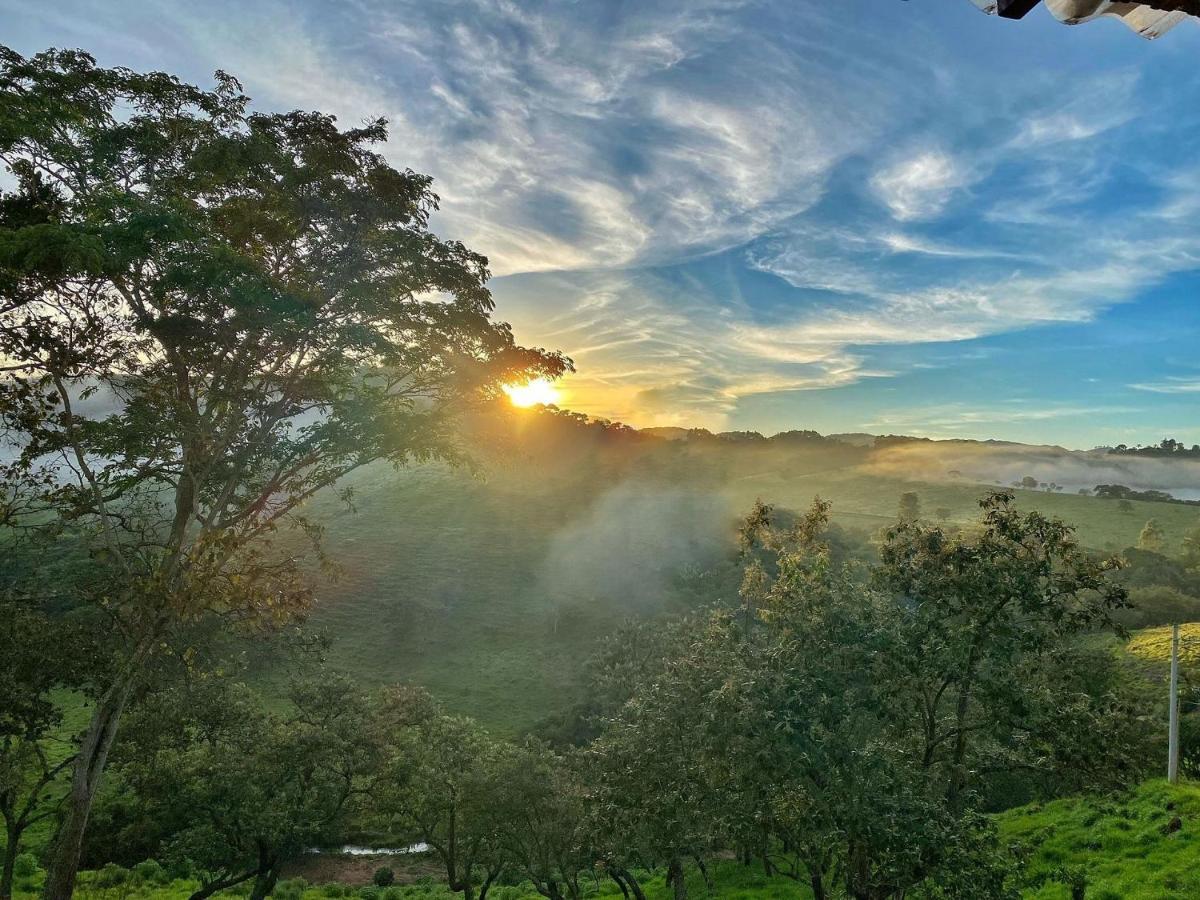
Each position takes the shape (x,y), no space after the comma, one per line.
(1154,644)
(1123,844)
(730,881)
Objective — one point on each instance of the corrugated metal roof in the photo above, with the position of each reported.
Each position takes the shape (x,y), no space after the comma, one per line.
(1149,18)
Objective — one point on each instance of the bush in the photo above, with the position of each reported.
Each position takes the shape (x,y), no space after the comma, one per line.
(151,872)
(383,877)
(369,893)
(293,888)
(25,865)
(111,875)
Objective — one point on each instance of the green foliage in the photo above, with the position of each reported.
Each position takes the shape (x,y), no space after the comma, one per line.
(111,875)
(235,790)
(444,780)
(290,889)
(383,877)
(25,865)
(1159,605)
(1152,537)
(151,871)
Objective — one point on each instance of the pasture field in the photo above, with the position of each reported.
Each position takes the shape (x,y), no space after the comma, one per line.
(489,590)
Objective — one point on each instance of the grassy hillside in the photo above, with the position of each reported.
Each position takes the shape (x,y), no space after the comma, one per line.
(490,589)
(1127,849)
(1154,644)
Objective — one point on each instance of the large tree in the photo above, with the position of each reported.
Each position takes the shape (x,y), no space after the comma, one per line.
(207,315)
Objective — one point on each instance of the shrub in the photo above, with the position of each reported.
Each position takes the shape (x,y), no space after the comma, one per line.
(111,875)
(151,872)
(25,865)
(292,888)
(383,877)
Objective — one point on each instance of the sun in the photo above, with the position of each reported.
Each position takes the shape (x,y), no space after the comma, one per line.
(538,392)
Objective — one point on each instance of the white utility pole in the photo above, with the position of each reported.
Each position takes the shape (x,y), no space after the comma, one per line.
(1173,727)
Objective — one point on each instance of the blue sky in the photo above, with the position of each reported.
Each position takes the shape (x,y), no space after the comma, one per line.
(861,215)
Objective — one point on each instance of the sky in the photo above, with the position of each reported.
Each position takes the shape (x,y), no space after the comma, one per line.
(845,215)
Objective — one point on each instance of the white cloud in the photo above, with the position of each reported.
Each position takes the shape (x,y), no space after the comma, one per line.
(920,186)
(1172,384)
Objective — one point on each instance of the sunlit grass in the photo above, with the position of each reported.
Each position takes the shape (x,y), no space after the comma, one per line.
(1154,644)
(1124,844)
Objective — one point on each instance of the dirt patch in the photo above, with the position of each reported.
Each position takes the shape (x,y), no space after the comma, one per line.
(340,868)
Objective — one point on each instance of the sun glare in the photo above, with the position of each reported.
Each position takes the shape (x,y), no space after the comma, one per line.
(538,392)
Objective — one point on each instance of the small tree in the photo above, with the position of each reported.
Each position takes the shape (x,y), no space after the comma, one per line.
(1191,548)
(38,655)
(444,780)
(982,604)
(542,820)
(1152,537)
(237,791)
(910,507)
(207,316)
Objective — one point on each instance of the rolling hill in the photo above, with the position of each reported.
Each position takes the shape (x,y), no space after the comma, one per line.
(489,587)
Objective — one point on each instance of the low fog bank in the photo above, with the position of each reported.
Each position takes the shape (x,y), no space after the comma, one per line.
(634,544)
(988,463)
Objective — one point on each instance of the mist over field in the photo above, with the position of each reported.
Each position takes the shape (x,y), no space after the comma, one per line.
(633,542)
(1005,463)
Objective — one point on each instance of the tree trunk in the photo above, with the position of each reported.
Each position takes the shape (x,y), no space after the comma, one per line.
(703,870)
(487,882)
(10,860)
(676,879)
(628,881)
(221,884)
(817,883)
(85,780)
(264,883)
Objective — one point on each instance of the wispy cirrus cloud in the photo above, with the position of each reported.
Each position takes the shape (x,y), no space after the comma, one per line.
(710,202)
(1172,384)
(920,185)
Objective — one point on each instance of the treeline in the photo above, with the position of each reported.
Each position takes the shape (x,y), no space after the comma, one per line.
(1167,447)
(846,725)
(1121,492)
